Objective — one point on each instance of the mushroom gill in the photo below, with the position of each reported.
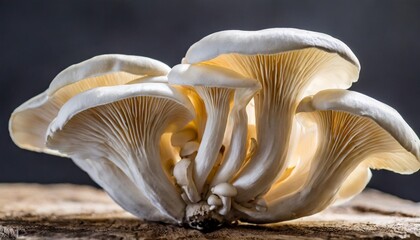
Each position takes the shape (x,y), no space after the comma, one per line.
(124,124)
(352,129)
(289,64)
(285,78)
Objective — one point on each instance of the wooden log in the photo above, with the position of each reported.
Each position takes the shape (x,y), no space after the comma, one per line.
(33,211)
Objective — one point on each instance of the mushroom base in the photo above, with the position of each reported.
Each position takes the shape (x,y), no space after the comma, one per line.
(200,217)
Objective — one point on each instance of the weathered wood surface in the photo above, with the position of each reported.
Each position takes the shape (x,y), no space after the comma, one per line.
(31,211)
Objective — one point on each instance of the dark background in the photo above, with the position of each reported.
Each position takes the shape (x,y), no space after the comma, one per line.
(40,38)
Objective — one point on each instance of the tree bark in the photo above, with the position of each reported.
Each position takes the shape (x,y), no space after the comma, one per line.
(33,211)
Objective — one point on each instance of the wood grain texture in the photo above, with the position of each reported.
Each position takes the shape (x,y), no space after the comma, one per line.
(31,211)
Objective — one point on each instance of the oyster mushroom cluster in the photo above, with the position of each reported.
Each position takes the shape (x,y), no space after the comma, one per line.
(253,126)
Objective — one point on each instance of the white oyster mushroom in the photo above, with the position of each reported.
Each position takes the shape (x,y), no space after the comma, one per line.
(124,124)
(29,122)
(290,64)
(353,129)
(218,87)
(296,173)
(183,173)
(301,156)
(214,202)
(253,126)
(225,191)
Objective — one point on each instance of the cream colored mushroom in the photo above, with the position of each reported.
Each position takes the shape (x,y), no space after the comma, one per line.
(124,124)
(225,191)
(353,129)
(290,64)
(214,202)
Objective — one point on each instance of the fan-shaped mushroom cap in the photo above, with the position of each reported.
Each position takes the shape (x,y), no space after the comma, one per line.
(29,122)
(124,124)
(290,64)
(264,42)
(355,132)
(225,190)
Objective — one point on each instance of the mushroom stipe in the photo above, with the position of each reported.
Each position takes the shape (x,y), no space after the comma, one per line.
(253,126)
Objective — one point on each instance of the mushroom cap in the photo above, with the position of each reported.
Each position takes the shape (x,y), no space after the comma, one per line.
(224,189)
(182,175)
(405,162)
(189,148)
(209,76)
(105,95)
(108,63)
(150,79)
(267,41)
(29,122)
(214,200)
(290,64)
(237,50)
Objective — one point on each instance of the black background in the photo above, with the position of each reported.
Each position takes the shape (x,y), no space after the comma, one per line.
(40,38)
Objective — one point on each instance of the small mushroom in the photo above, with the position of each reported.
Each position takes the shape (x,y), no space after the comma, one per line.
(184,178)
(124,124)
(217,87)
(189,148)
(354,184)
(352,129)
(290,64)
(179,139)
(261,205)
(214,202)
(244,129)
(225,191)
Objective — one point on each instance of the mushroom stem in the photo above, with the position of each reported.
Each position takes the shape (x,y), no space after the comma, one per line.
(269,158)
(217,101)
(237,149)
(226,204)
